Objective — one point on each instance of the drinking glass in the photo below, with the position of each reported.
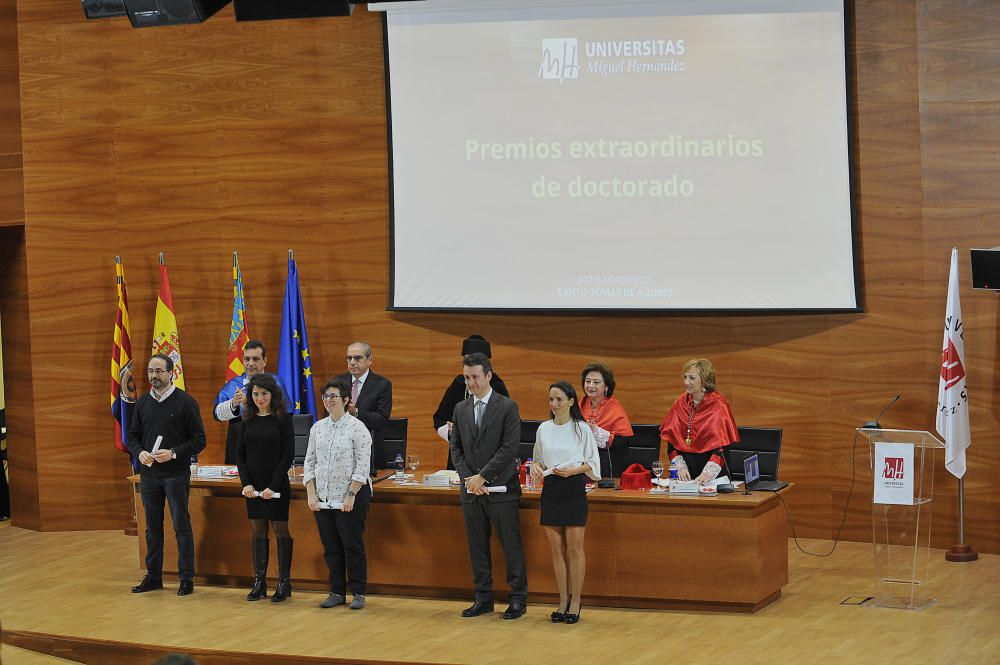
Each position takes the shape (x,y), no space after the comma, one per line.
(657,471)
(413,461)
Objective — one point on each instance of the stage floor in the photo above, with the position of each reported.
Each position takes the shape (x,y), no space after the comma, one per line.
(77,585)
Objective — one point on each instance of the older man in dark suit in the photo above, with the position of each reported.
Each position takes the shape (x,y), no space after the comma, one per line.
(371,394)
(484,440)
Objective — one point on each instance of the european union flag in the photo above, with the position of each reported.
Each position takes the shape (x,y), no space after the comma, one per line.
(294,365)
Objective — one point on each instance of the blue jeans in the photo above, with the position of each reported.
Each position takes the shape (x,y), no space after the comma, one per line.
(175,489)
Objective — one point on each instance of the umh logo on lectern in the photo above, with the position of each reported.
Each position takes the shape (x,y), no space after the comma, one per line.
(893,469)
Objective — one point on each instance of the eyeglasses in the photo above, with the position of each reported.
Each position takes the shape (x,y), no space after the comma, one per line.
(329,396)
(158,371)
(356,359)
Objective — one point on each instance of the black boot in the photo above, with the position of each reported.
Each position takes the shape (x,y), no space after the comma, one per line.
(284,589)
(261,550)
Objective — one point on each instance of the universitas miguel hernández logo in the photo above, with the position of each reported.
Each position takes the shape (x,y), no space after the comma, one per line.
(560,59)
(893,469)
(952,370)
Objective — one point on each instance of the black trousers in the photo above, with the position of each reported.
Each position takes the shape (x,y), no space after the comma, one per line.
(343,537)
(175,490)
(482,517)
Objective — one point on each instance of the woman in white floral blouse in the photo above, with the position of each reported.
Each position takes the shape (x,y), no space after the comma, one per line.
(340,493)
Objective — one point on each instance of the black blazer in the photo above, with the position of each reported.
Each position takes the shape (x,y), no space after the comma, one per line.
(374,405)
(491,452)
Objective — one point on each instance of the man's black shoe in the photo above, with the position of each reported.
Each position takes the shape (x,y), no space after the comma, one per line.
(186,588)
(514,611)
(477,609)
(147,584)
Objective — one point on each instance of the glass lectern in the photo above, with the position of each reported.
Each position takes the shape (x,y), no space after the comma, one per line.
(902,463)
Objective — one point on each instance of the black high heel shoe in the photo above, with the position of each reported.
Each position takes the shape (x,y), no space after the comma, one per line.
(557,616)
(572,618)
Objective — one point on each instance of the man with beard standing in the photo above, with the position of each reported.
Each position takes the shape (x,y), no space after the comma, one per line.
(166,430)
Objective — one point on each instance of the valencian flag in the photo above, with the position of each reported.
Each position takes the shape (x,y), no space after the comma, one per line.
(952,421)
(165,337)
(123,391)
(294,365)
(239,330)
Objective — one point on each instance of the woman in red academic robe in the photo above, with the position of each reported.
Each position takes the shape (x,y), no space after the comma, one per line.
(603,412)
(698,425)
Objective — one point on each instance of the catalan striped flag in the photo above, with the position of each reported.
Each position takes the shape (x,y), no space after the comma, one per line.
(239,329)
(165,337)
(123,389)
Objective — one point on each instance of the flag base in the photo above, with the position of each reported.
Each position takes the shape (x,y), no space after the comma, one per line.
(961,554)
(131,529)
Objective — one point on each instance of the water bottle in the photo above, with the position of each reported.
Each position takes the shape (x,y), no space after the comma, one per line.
(528,482)
(399,467)
(674,474)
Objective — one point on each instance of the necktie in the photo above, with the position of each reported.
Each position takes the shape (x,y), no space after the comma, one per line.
(355,389)
(480,405)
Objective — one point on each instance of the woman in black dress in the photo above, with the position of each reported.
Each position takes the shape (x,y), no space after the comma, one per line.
(565,444)
(263,454)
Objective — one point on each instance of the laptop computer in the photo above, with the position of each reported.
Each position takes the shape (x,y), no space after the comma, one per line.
(751,476)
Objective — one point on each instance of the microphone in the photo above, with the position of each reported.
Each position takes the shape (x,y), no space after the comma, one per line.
(609,482)
(728,488)
(873,424)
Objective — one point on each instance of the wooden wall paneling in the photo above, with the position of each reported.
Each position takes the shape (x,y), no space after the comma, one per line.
(19,393)
(884,49)
(959,55)
(70,198)
(11,173)
(959,161)
(261,137)
(783,380)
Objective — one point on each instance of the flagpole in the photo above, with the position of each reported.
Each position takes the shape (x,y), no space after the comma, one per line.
(161,258)
(952,419)
(291,255)
(961,552)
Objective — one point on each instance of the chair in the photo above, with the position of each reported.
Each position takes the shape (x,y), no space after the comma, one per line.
(301,424)
(527,446)
(393,441)
(765,441)
(643,446)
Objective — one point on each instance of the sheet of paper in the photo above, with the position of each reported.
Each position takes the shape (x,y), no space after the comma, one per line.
(565,465)
(156,446)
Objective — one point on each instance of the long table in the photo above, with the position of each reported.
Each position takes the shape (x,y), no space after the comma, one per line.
(727,553)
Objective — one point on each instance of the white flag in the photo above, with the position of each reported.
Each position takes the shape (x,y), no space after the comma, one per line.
(953,396)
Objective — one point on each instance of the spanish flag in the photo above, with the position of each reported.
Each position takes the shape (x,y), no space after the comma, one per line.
(239,330)
(165,337)
(123,390)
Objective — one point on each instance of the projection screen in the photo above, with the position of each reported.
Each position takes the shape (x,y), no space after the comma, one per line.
(629,155)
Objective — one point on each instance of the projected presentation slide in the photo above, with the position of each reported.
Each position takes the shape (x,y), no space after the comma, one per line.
(642,155)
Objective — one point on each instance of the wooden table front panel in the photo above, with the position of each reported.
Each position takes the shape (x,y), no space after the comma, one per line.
(727,552)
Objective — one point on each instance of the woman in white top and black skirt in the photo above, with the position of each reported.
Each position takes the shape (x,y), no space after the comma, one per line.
(339,493)
(566,445)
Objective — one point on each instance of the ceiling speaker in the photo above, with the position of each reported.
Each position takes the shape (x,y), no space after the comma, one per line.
(146,13)
(266,10)
(103,8)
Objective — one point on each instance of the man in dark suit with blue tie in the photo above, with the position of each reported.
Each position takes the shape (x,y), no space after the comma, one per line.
(483,443)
